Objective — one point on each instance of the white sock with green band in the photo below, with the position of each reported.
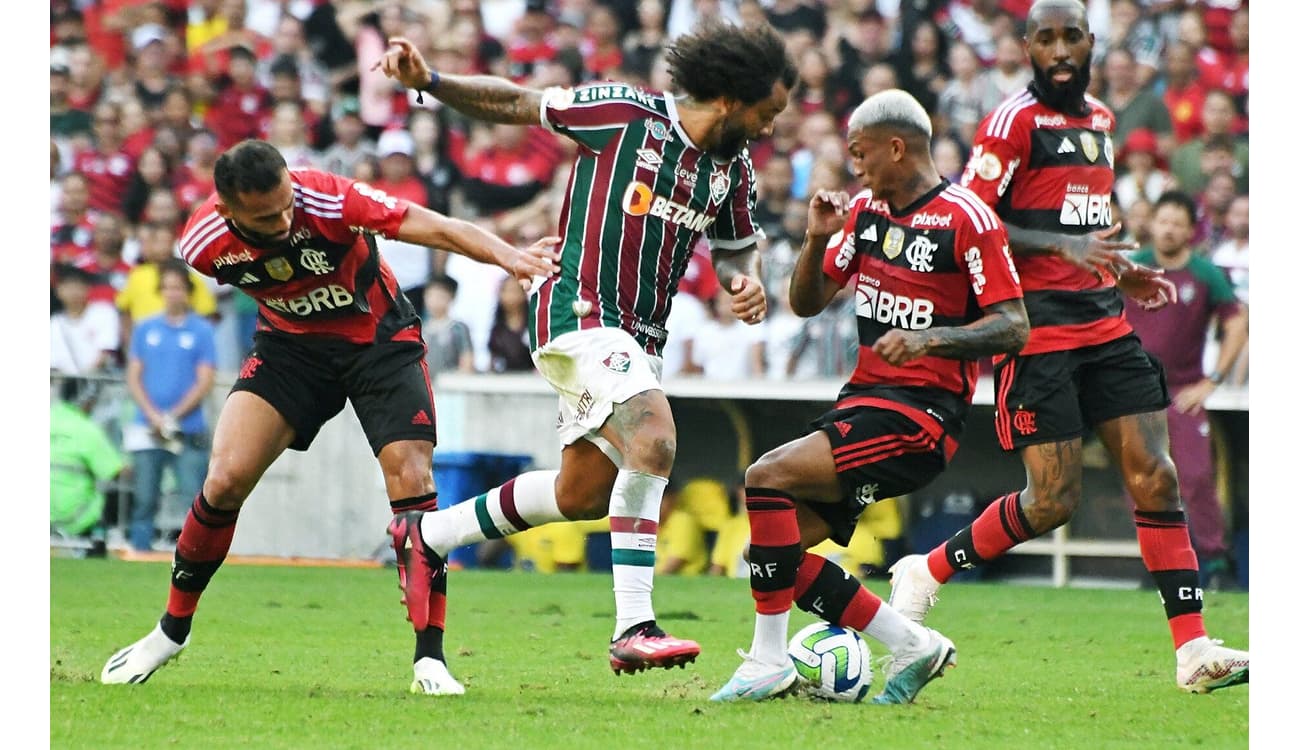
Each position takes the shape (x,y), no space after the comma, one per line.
(526,501)
(633,531)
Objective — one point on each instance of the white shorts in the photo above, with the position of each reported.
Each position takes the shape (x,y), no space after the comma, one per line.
(592,370)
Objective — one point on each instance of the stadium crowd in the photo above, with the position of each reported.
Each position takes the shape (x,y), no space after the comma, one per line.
(145,94)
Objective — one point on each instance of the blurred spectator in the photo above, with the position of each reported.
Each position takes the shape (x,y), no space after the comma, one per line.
(1212,224)
(826,345)
(972,22)
(289,47)
(1236,78)
(85,78)
(692,520)
(104,261)
(690,310)
(84,335)
(224,35)
(1136,219)
(1184,91)
(65,121)
(725,348)
(286,88)
(1129,30)
(82,461)
(242,104)
(530,43)
(447,339)
(106,164)
(1233,256)
(141,297)
(774,181)
(962,101)
(1210,63)
(432,163)
(642,45)
(151,59)
(1010,73)
(602,54)
(813,130)
(508,340)
(350,142)
(923,71)
(161,207)
(177,115)
(194,182)
(949,157)
(505,166)
(1143,175)
(74,223)
(1176,335)
(153,171)
(880,77)
(1190,164)
(1135,106)
(169,373)
(793,15)
(287,131)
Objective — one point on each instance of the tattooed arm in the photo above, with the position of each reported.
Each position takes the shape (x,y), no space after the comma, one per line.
(1003,329)
(487,98)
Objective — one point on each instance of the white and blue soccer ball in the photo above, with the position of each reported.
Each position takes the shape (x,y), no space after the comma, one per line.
(833,662)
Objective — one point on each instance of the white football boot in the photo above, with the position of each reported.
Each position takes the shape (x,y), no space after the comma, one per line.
(912,589)
(1205,665)
(134,664)
(432,678)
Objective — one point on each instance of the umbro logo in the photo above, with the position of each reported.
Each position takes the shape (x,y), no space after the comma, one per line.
(1066,147)
(248,278)
(648,158)
(869,233)
(421,417)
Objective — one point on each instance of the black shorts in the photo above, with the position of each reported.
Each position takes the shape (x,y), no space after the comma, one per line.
(879,453)
(308,379)
(1055,396)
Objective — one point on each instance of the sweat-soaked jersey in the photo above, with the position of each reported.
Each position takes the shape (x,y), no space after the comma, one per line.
(1043,169)
(328,279)
(639,197)
(934,263)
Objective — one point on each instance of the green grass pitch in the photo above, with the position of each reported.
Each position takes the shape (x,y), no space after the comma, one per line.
(320,658)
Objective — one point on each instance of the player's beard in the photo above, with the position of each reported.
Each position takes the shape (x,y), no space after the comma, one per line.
(1066,97)
(262,241)
(731,142)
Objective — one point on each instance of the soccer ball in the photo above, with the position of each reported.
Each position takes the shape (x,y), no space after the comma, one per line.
(833,661)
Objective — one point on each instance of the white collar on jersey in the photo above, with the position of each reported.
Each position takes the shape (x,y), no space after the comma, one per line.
(671,103)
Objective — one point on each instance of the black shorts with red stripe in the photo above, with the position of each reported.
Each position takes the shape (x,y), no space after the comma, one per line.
(883,448)
(309,378)
(1057,396)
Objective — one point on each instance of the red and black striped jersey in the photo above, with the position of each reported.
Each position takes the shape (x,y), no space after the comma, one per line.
(1044,169)
(934,263)
(328,279)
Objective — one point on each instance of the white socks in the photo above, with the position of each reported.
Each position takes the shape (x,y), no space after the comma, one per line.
(526,501)
(891,628)
(633,532)
(770,631)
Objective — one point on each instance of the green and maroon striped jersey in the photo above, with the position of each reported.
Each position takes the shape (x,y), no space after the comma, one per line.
(639,197)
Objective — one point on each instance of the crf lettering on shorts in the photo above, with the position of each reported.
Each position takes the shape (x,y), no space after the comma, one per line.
(895,310)
(975,264)
(332,297)
(1082,208)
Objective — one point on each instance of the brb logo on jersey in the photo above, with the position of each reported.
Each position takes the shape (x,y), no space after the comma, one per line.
(639,200)
(896,310)
(1084,208)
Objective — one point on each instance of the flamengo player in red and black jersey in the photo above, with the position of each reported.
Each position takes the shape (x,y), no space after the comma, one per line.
(1045,161)
(332,327)
(653,173)
(935,289)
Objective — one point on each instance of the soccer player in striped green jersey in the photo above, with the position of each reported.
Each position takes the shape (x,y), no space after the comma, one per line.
(653,173)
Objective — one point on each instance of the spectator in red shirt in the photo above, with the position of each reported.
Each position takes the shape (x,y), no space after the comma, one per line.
(1184,92)
(397,168)
(242,106)
(1236,78)
(85,78)
(530,44)
(194,178)
(602,55)
(506,171)
(106,165)
(286,86)
(104,259)
(73,224)
(1209,61)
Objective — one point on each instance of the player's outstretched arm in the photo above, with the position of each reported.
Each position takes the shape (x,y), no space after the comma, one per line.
(1003,329)
(488,98)
(1096,251)
(424,227)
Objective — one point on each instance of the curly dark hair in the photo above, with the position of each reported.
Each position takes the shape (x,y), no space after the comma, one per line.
(250,166)
(720,59)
